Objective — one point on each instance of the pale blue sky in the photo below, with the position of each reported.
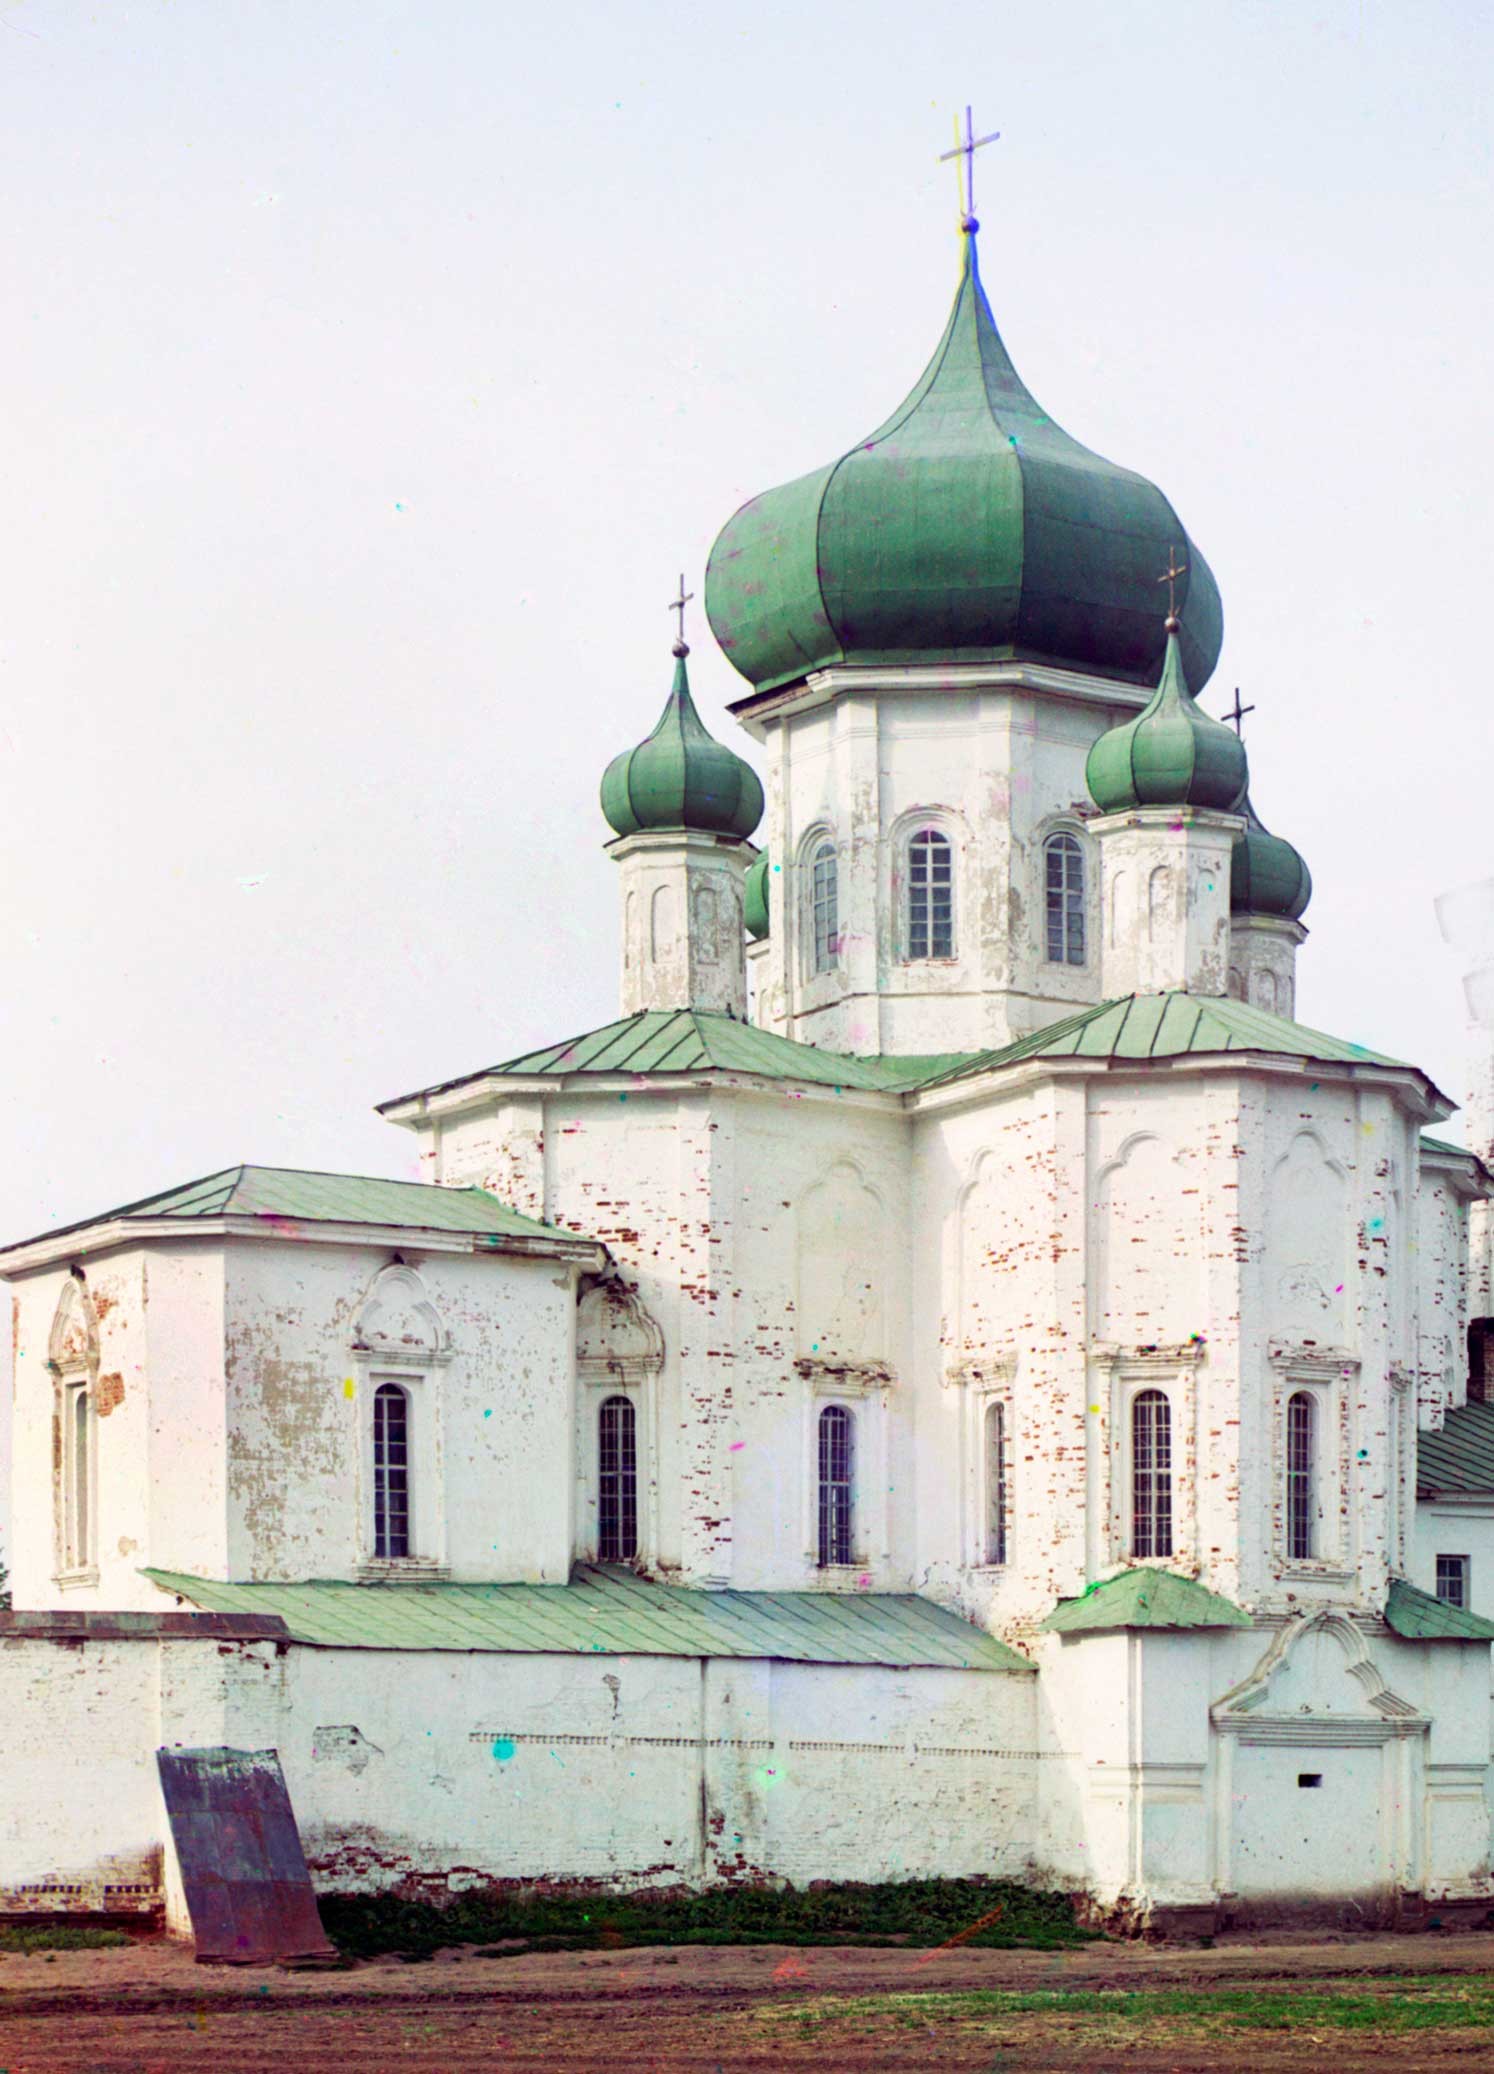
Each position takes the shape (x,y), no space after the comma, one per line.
(371,370)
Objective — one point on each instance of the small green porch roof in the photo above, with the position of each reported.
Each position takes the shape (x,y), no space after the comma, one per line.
(613,1612)
(1418,1617)
(1144,1598)
(290,1195)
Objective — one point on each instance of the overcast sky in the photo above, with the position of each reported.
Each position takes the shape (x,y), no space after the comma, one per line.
(372,369)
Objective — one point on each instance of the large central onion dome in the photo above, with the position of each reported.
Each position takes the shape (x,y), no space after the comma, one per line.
(968,529)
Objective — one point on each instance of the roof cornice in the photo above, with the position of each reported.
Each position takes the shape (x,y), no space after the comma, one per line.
(120,1233)
(883,680)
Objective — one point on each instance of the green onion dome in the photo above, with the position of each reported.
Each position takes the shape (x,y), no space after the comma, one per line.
(1266,875)
(755,899)
(681,777)
(1172,754)
(967,528)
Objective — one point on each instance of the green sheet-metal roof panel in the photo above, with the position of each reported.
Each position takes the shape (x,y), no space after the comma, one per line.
(1172,754)
(292,1196)
(967,527)
(690,1040)
(1418,1617)
(1459,1458)
(615,1613)
(1267,874)
(1163,1026)
(1140,1598)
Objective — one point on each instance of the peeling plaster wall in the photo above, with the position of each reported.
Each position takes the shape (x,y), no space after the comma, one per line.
(1442,1275)
(998,769)
(491,1424)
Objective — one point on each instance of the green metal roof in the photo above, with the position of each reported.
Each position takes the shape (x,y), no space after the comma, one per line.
(968,527)
(681,776)
(691,1040)
(276,1193)
(1168,1026)
(1445,1147)
(1461,1456)
(1144,1598)
(616,1613)
(1267,874)
(1172,754)
(1418,1617)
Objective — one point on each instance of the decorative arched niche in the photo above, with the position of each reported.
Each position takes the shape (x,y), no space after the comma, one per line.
(73,1362)
(398,1323)
(617,1341)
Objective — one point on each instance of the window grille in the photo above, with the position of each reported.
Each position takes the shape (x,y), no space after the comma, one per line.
(825,904)
(930,895)
(79,1551)
(836,1466)
(617,1482)
(1301,1474)
(1480,1360)
(391,1449)
(1065,900)
(996,1493)
(1151,1474)
(1452,1579)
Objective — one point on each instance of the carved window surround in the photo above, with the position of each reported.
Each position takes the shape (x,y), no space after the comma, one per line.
(1324,1374)
(619,1353)
(413,1353)
(1123,1372)
(73,1364)
(984,1380)
(863,1387)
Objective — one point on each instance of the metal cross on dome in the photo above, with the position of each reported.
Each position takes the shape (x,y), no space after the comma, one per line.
(1237,713)
(1170,576)
(966,148)
(678,605)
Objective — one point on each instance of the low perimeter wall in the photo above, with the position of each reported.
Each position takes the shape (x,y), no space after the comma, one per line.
(437,1770)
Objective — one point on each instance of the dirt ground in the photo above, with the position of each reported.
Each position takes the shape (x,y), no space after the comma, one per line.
(710,2011)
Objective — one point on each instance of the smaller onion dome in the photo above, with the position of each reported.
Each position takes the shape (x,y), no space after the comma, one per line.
(755,899)
(681,777)
(1266,875)
(1171,755)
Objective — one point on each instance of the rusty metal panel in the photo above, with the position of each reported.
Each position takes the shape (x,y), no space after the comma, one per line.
(247,1888)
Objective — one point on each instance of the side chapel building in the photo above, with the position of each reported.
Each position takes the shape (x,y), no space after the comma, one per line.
(955,1379)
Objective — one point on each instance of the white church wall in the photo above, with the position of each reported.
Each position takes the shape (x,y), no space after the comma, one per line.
(491,1413)
(451,1769)
(1442,1271)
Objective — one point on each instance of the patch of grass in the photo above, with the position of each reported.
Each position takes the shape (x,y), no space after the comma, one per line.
(62,1939)
(1430,2002)
(918,1913)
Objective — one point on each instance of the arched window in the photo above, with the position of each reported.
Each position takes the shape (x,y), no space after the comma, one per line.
(1301,1476)
(1151,1474)
(996,1493)
(78,1552)
(617,1481)
(391,1456)
(837,1465)
(929,928)
(1065,899)
(824,903)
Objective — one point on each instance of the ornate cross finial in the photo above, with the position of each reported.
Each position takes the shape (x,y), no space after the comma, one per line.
(1174,570)
(1237,713)
(678,605)
(966,148)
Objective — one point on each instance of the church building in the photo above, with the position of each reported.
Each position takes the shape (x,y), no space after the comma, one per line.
(955,1379)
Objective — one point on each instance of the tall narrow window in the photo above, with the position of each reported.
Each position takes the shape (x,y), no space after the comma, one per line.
(1452,1579)
(391,1454)
(825,906)
(1301,1476)
(79,1551)
(1065,900)
(1481,1360)
(617,1481)
(930,921)
(996,1494)
(836,1468)
(1151,1474)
